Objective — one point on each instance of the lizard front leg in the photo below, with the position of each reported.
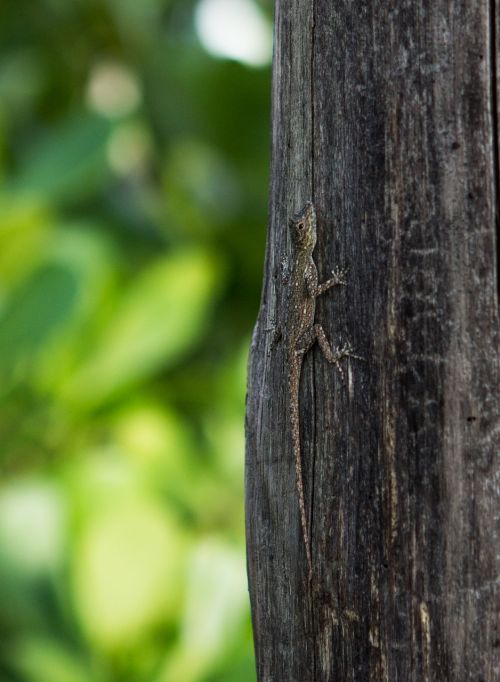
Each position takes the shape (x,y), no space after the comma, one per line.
(339,278)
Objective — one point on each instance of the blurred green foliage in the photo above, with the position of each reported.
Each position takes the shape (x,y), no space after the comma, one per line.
(133,189)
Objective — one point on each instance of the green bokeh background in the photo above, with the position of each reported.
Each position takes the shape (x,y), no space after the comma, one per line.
(133,190)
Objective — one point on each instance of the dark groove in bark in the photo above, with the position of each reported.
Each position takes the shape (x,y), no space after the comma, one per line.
(312,75)
(314,435)
(496,140)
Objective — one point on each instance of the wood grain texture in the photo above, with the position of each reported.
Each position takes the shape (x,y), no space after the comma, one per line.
(385,114)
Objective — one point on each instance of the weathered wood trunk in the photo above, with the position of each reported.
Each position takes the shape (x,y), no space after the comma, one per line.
(384,114)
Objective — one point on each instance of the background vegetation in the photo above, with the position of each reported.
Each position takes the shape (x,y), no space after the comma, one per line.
(133,190)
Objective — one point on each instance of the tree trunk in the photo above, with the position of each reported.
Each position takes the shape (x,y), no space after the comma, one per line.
(384,114)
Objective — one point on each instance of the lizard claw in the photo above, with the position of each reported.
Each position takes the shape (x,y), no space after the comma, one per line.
(346,351)
(340,275)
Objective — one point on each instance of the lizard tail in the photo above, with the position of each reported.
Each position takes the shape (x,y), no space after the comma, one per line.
(295,425)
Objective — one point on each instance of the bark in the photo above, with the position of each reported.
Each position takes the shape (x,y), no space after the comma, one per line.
(384,113)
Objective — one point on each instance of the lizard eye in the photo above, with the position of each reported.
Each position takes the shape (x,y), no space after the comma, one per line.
(300,226)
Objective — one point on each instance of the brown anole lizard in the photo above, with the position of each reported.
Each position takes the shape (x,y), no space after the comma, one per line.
(299,333)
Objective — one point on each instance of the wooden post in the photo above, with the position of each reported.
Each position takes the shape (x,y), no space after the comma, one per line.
(384,114)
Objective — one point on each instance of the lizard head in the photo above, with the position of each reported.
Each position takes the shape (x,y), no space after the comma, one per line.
(303,228)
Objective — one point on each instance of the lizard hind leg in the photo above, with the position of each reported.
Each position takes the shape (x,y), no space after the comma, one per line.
(317,333)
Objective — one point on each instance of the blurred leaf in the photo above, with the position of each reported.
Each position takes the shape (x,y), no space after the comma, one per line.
(85,251)
(25,228)
(68,163)
(160,317)
(201,187)
(216,597)
(158,441)
(36,310)
(42,322)
(215,608)
(126,572)
(21,76)
(152,433)
(40,659)
(161,444)
(141,16)
(228,443)
(238,662)
(223,422)
(32,525)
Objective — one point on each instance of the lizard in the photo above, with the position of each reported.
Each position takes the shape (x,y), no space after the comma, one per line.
(299,333)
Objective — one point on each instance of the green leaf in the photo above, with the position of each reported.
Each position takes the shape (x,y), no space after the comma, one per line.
(161,317)
(25,228)
(36,310)
(32,526)
(40,659)
(44,320)
(68,163)
(215,608)
(126,571)
(84,250)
